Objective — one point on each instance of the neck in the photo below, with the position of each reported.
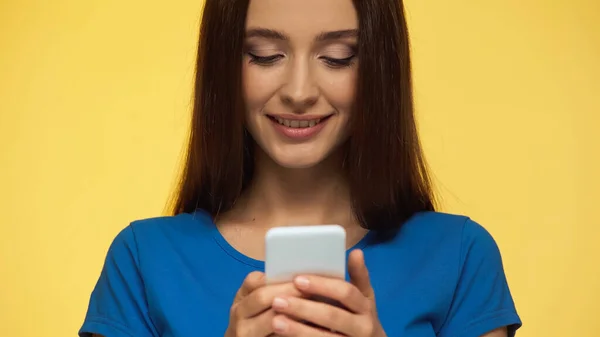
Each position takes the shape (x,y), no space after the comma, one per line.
(279,196)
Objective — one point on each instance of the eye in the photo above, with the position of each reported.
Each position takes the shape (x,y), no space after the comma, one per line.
(337,62)
(264,60)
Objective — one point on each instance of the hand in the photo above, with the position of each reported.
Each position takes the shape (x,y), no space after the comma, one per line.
(251,313)
(359,319)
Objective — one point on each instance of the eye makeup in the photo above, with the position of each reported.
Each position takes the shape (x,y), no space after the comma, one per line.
(330,58)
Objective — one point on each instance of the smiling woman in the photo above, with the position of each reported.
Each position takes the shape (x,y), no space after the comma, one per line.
(269,48)
(302,77)
(303,115)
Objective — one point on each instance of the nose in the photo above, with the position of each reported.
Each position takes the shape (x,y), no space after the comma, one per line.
(300,90)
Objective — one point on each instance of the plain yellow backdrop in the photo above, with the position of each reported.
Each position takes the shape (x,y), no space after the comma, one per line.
(94,104)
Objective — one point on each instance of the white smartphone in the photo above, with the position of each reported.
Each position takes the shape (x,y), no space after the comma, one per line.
(291,251)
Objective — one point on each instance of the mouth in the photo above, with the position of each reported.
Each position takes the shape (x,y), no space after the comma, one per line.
(296,123)
(299,128)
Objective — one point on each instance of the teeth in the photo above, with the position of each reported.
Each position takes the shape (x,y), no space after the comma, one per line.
(293,123)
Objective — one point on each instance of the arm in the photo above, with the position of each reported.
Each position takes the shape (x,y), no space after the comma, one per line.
(482,305)
(502,332)
(118,305)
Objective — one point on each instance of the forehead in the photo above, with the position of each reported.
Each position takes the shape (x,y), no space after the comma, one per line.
(302,16)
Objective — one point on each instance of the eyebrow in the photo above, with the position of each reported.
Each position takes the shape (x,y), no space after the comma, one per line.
(276,35)
(336,35)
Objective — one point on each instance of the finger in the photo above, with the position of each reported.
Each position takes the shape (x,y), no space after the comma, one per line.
(259,326)
(252,281)
(359,274)
(262,298)
(319,313)
(285,326)
(336,289)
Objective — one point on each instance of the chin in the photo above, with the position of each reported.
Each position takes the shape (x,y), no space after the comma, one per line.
(295,158)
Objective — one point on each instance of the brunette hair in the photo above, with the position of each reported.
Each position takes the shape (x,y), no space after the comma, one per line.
(387,172)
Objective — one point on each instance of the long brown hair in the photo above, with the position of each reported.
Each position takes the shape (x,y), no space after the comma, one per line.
(387,173)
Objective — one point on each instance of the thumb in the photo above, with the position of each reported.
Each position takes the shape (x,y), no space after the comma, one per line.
(359,275)
(252,281)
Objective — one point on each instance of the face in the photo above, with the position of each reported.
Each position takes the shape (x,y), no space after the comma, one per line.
(299,75)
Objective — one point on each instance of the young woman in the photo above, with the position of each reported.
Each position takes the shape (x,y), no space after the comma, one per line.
(303,115)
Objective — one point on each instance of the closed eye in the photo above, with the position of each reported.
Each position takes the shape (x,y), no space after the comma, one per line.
(329,61)
(264,60)
(338,63)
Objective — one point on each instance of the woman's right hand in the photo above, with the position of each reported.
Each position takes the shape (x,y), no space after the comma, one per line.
(251,314)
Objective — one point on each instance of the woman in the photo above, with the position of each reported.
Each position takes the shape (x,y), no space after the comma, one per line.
(303,115)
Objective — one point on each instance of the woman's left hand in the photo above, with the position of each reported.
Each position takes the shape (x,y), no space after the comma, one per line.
(358,319)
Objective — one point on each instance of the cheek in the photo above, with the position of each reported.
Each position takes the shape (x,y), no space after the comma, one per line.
(258,87)
(340,90)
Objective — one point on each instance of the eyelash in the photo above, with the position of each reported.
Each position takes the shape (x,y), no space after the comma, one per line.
(339,63)
(266,61)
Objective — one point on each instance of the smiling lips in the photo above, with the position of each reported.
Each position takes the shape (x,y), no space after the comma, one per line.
(299,127)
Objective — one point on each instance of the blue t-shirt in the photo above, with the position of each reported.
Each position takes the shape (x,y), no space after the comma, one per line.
(441,275)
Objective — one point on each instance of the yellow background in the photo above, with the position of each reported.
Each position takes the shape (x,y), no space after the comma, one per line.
(94,101)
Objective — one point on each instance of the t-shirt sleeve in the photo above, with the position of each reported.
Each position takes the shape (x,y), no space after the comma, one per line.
(482,300)
(118,307)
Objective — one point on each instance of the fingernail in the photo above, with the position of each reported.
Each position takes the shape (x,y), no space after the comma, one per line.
(302,282)
(280,303)
(280,325)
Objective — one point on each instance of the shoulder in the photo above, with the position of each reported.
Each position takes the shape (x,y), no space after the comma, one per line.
(465,233)
(443,240)
(436,221)
(465,255)
(453,240)
(156,235)
(184,224)
(460,229)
